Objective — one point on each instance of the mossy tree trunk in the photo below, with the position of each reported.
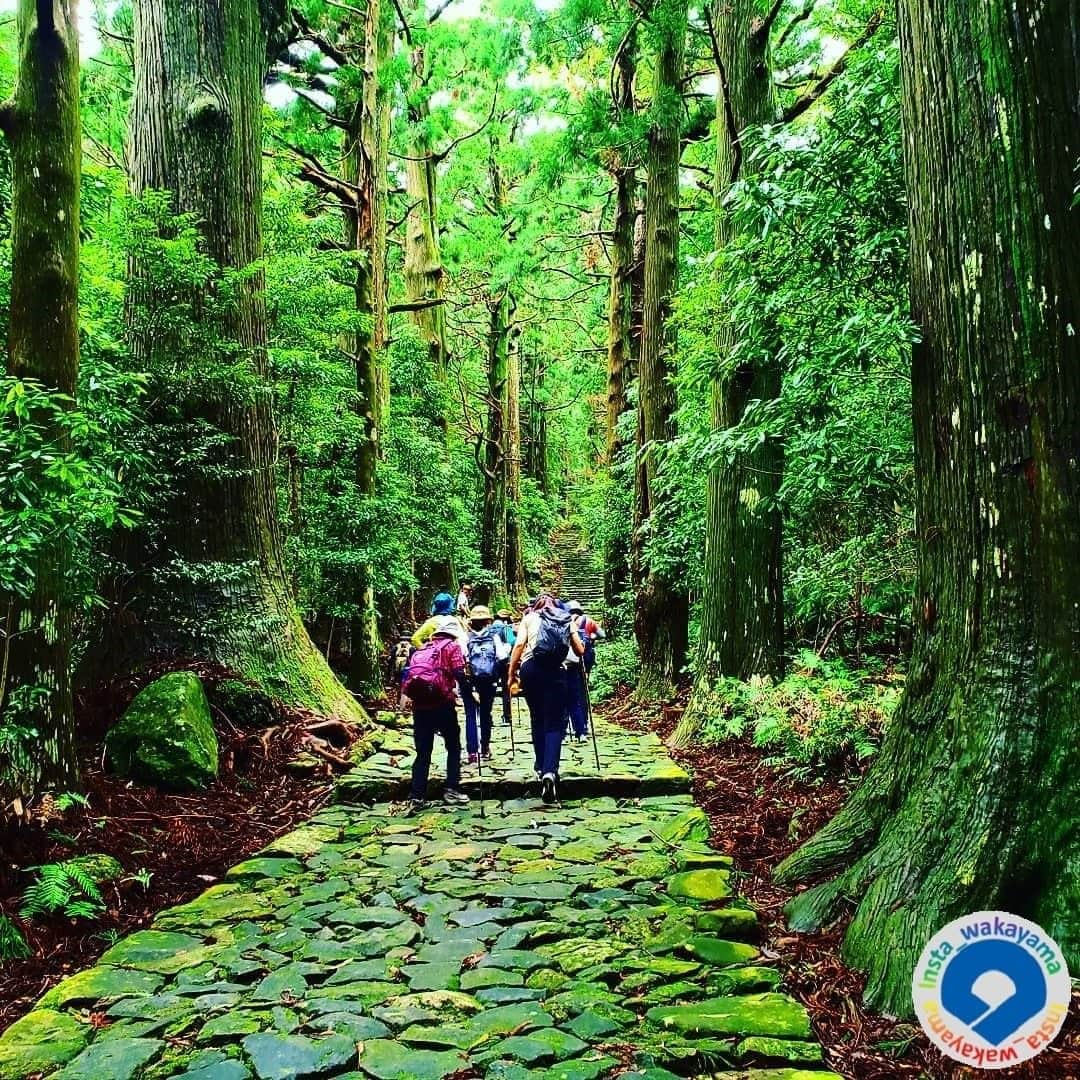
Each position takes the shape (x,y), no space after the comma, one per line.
(515,558)
(217,587)
(43,128)
(742,605)
(365,157)
(423,271)
(971,803)
(620,366)
(491,452)
(662,605)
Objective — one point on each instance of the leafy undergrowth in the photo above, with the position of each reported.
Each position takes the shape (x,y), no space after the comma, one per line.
(760,811)
(822,714)
(170,846)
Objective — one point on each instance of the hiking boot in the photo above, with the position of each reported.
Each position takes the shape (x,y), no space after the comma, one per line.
(453,797)
(547,788)
(486,755)
(473,759)
(414,806)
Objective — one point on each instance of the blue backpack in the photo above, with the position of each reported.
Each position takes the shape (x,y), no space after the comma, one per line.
(483,657)
(552,644)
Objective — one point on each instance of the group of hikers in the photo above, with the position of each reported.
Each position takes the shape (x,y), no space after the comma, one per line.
(465,651)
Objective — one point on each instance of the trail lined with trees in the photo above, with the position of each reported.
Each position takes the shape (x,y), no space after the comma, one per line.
(752,324)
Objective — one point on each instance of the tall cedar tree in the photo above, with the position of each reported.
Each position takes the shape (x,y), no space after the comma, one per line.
(971,803)
(742,606)
(662,606)
(42,125)
(197,132)
(621,339)
(365,156)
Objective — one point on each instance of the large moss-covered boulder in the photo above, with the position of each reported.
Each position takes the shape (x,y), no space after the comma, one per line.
(166,737)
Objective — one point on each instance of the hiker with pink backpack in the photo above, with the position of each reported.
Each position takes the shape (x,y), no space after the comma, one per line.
(429,684)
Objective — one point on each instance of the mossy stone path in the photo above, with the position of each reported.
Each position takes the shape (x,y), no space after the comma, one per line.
(596,939)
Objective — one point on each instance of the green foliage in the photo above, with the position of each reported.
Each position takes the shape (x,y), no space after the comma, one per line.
(617,664)
(823,715)
(66,888)
(12,943)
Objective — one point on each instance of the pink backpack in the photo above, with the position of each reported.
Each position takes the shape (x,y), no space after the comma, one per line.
(430,683)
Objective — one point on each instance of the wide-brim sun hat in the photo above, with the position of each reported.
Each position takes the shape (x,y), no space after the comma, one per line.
(575,608)
(480,614)
(443,604)
(447,626)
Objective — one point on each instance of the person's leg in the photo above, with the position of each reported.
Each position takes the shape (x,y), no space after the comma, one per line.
(575,699)
(504,687)
(554,723)
(451,733)
(486,692)
(424,738)
(472,739)
(532,687)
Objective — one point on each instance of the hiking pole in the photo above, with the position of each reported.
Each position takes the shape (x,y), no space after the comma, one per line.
(510,715)
(588,713)
(480,779)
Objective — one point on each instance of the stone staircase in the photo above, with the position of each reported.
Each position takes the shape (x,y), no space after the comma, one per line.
(581,575)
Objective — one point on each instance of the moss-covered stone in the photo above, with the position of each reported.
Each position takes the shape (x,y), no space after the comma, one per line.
(705,885)
(718,952)
(776,1074)
(166,736)
(117,1059)
(792,1051)
(730,922)
(99,984)
(158,950)
(387,1060)
(751,1014)
(40,1042)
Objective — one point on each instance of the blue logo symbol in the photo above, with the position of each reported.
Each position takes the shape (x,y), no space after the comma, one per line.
(991,989)
(994,1020)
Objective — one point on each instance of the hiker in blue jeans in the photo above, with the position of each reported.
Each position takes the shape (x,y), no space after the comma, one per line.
(546,637)
(428,685)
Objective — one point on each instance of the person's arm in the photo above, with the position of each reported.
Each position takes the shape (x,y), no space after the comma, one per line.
(576,643)
(515,661)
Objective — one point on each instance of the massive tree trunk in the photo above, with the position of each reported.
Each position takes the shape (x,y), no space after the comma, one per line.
(620,367)
(742,607)
(42,124)
(364,154)
(534,423)
(515,559)
(492,458)
(971,803)
(423,272)
(380,53)
(218,587)
(661,610)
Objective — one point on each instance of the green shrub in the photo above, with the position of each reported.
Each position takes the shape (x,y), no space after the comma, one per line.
(617,664)
(66,887)
(822,715)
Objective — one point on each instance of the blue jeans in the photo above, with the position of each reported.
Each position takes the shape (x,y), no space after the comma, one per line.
(427,723)
(576,706)
(485,691)
(544,687)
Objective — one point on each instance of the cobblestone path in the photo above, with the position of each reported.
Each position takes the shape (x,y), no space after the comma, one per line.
(600,938)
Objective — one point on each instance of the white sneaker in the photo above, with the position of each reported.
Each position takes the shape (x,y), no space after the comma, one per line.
(547,789)
(453,797)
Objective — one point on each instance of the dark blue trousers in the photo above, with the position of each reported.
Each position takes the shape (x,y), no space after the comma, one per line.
(544,688)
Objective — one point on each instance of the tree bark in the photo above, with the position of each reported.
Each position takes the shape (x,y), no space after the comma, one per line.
(742,608)
(218,585)
(971,803)
(515,558)
(43,125)
(423,271)
(365,155)
(620,365)
(493,459)
(662,605)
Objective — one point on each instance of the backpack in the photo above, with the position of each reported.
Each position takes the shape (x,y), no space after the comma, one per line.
(484,653)
(589,656)
(430,682)
(552,636)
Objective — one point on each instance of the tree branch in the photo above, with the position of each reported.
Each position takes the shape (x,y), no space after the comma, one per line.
(434,16)
(803,15)
(764,28)
(802,103)
(416,305)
